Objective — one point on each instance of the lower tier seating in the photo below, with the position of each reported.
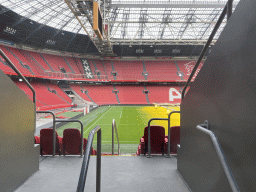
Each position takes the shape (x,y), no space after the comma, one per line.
(129,94)
(159,142)
(46,99)
(69,144)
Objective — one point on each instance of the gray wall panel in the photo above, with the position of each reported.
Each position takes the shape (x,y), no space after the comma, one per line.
(17,125)
(224,93)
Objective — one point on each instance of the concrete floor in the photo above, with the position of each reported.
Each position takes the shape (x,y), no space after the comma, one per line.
(118,174)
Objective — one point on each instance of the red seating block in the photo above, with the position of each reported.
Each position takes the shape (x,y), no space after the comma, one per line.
(46,142)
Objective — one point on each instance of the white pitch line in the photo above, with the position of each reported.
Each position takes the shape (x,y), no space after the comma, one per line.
(121,114)
(98,119)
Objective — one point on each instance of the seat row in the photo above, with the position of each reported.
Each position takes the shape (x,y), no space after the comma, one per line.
(69,144)
(159,141)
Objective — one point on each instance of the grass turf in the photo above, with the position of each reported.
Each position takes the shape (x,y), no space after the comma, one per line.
(130,121)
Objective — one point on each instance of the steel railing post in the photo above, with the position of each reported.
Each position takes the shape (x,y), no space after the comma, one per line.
(98,173)
(85,164)
(113,124)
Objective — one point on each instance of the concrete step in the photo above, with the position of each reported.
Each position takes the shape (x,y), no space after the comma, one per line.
(118,174)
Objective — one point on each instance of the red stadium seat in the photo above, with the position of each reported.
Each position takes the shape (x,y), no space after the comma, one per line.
(37,140)
(175,139)
(157,137)
(46,136)
(72,142)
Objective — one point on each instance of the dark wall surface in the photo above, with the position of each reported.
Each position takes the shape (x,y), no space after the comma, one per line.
(18,158)
(31,33)
(224,93)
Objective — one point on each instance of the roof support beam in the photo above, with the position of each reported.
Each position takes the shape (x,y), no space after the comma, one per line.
(170,5)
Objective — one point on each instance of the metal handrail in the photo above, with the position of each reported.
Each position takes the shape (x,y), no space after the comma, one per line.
(216,27)
(221,156)
(54,132)
(149,145)
(169,132)
(19,74)
(84,169)
(82,131)
(114,127)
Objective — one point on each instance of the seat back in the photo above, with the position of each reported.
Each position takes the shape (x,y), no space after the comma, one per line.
(175,138)
(37,140)
(46,140)
(157,135)
(72,141)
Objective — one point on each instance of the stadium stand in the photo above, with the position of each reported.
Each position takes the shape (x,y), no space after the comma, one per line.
(53,66)
(129,70)
(78,89)
(40,60)
(57,63)
(131,94)
(163,94)
(45,98)
(15,61)
(109,70)
(74,65)
(161,70)
(101,94)
(100,67)
(187,66)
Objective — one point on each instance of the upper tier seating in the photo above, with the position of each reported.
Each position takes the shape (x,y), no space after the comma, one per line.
(100,67)
(40,60)
(22,55)
(161,70)
(72,62)
(109,70)
(127,70)
(15,61)
(46,142)
(187,66)
(33,63)
(56,62)
(157,140)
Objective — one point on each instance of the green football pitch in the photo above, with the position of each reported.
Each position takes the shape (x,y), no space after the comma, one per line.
(130,122)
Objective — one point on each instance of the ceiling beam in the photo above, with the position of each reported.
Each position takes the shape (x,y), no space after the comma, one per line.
(170,5)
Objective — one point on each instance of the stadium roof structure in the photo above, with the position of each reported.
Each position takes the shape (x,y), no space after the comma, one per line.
(129,22)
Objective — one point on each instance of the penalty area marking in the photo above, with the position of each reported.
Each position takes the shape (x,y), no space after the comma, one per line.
(98,119)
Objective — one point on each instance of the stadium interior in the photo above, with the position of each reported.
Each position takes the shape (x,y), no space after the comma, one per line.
(127,96)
